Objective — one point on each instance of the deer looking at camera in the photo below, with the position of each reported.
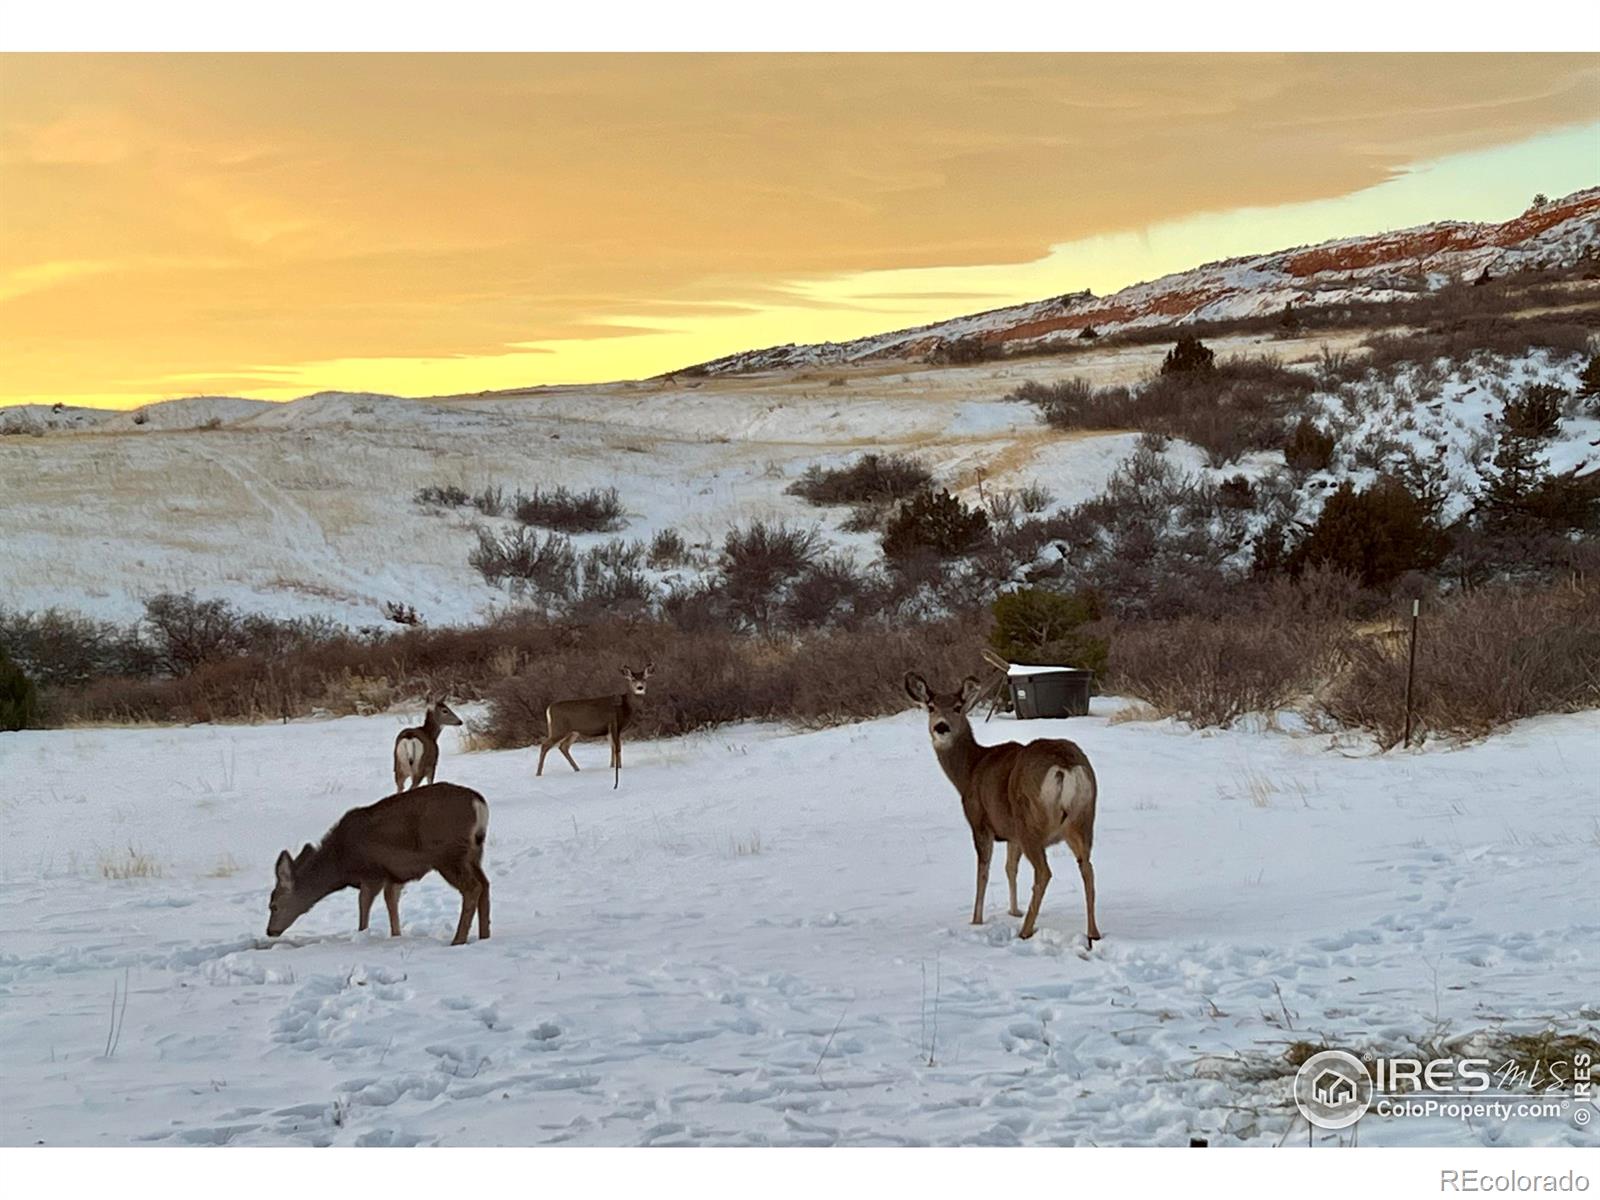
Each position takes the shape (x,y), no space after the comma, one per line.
(384,846)
(1029,797)
(416,750)
(598,716)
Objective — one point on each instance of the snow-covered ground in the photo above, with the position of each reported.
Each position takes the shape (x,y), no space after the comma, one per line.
(306,508)
(761,938)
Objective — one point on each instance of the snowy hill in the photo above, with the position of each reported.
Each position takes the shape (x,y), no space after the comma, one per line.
(1386,266)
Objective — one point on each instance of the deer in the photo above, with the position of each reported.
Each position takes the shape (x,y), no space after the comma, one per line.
(597,716)
(384,846)
(1027,796)
(416,750)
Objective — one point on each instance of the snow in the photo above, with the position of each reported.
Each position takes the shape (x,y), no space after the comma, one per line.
(306,508)
(762,939)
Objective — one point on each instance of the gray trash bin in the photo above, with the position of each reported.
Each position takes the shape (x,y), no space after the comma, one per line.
(1061,692)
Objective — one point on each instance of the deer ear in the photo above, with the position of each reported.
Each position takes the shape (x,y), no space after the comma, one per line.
(916,687)
(970,688)
(626,672)
(284,868)
(649,669)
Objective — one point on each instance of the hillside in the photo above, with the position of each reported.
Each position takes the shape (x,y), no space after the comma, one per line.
(1359,270)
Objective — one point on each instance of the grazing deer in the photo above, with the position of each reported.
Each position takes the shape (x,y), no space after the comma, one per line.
(384,846)
(597,716)
(416,750)
(1028,796)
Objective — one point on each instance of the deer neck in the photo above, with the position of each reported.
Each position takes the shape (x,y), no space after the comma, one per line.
(959,758)
(325,872)
(431,726)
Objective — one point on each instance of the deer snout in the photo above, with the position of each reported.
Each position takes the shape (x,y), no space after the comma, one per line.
(941,729)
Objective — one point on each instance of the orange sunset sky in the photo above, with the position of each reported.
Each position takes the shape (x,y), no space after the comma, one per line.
(271,225)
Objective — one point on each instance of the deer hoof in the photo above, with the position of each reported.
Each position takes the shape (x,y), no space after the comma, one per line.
(1015,912)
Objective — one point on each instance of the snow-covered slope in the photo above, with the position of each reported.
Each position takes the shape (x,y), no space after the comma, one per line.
(1380,267)
(763,939)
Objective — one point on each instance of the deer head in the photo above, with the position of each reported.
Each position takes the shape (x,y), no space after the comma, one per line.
(442,714)
(636,678)
(289,904)
(947,711)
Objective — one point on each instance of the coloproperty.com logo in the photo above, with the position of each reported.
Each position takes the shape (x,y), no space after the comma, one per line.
(1334,1089)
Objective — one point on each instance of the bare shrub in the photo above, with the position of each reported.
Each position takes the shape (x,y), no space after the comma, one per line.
(1226,408)
(58,649)
(442,496)
(1209,671)
(1484,659)
(708,679)
(544,566)
(872,478)
(759,564)
(1458,339)
(1034,498)
(491,501)
(598,510)
(668,549)
(188,631)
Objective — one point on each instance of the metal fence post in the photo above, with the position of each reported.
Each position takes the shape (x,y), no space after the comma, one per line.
(1411,668)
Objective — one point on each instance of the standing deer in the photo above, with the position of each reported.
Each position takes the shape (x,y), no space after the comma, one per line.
(1029,796)
(384,846)
(416,750)
(598,716)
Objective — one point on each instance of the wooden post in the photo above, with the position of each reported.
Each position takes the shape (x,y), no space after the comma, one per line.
(1411,668)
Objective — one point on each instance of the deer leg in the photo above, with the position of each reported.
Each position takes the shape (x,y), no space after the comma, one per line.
(463,877)
(544,748)
(399,778)
(483,902)
(565,748)
(616,757)
(1041,880)
(391,900)
(1080,850)
(1013,857)
(369,893)
(984,844)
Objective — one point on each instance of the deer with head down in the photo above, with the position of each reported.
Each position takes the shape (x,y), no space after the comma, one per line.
(1027,796)
(416,750)
(596,716)
(384,846)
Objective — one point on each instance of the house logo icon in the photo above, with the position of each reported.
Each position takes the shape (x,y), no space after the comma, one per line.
(1333,1089)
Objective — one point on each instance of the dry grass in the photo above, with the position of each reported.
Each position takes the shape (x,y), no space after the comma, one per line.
(129,864)
(1134,712)
(226,868)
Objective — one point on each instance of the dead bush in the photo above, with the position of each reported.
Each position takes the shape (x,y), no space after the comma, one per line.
(598,510)
(872,478)
(1484,659)
(1209,671)
(708,679)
